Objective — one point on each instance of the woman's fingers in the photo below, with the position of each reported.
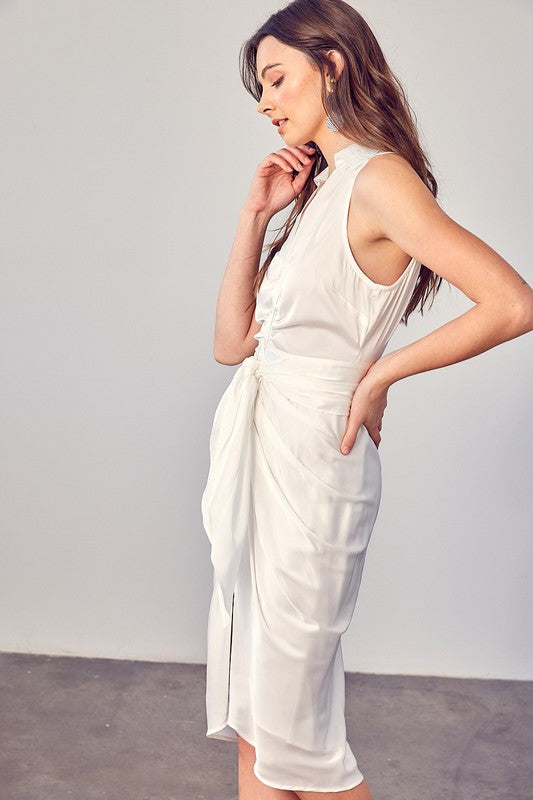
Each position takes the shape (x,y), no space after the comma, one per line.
(275,158)
(300,158)
(367,407)
(293,158)
(351,432)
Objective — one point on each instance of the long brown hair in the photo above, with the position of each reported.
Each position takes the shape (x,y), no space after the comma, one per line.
(372,105)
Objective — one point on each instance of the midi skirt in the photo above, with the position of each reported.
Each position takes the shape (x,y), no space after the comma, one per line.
(289,518)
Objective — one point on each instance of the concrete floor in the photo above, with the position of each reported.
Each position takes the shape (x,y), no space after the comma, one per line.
(81,729)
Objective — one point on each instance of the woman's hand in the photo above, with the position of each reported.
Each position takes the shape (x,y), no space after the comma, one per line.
(368,404)
(273,186)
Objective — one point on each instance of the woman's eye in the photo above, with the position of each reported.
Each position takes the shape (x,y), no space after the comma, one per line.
(277,83)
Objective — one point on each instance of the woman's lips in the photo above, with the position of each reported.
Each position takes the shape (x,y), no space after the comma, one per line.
(281,126)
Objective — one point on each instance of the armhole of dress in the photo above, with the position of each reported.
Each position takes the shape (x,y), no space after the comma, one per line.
(380,287)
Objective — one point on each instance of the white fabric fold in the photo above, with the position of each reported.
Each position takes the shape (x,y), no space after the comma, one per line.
(320,385)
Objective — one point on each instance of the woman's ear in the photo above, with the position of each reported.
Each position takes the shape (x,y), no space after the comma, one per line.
(338,60)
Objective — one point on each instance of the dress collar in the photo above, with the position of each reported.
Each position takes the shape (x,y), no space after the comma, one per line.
(354,153)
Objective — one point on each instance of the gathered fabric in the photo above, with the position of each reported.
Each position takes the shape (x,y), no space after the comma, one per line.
(320,385)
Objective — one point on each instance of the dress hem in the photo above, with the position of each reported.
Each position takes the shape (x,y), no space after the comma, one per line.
(307,788)
(215,733)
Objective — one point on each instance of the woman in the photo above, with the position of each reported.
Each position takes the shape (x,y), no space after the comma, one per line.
(294,482)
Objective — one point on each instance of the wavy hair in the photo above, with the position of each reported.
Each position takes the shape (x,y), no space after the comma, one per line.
(371,106)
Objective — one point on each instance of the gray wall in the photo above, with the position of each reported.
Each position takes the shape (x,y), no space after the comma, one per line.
(127,146)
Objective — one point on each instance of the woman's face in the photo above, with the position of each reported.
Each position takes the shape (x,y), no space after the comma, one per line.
(291,89)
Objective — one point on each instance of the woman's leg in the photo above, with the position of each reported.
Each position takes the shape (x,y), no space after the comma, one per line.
(250,788)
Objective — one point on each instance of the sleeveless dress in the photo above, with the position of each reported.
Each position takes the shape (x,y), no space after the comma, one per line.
(288,516)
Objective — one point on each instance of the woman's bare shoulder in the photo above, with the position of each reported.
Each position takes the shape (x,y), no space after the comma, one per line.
(381,259)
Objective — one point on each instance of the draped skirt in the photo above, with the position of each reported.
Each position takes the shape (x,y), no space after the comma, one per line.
(289,518)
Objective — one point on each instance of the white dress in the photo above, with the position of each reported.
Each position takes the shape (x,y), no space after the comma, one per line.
(289,517)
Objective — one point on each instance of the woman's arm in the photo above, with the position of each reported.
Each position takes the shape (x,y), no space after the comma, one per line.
(273,188)
(233,320)
(407,213)
(403,210)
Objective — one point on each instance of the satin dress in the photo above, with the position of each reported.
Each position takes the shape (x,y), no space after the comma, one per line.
(288,516)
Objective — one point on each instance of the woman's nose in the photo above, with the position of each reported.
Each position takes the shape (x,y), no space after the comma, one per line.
(263,105)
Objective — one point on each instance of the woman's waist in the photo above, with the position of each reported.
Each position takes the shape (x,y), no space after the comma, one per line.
(321,384)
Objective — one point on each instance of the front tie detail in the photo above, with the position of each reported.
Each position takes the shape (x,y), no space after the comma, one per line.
(251,366)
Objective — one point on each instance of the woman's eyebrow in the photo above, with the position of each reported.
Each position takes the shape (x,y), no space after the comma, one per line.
(269,66)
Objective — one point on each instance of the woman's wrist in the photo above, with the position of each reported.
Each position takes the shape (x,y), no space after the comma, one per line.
(379,376)
(261,218)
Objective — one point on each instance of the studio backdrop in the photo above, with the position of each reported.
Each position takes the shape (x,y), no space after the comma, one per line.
(127,146)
